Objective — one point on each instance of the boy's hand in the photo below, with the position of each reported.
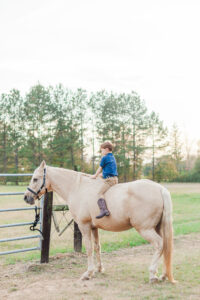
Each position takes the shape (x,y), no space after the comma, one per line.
(93,176)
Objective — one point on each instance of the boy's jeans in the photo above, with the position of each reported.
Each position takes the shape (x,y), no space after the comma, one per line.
(108,182)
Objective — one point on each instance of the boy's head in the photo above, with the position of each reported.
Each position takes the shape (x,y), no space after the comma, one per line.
(106,147)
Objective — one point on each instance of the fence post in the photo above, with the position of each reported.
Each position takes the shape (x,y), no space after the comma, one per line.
(77,238)
(46,227)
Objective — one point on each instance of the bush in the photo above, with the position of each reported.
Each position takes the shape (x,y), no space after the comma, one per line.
(191,176)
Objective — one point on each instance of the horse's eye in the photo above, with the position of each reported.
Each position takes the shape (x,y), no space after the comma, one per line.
(35,180)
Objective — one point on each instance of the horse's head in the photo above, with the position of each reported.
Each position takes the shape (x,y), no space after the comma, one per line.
(37,185)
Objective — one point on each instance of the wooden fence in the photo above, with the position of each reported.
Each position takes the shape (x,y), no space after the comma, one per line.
(47,213)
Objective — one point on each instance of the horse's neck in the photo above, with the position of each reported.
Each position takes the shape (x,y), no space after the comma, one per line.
(62,181)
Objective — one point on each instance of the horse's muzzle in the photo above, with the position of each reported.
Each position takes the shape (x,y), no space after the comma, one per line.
(28,199)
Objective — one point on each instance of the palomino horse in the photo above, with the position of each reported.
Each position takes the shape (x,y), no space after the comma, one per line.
(142,204)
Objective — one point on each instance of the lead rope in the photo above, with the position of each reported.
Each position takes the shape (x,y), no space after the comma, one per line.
(37,219)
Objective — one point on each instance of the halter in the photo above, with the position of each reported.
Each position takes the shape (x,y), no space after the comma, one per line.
(43,185)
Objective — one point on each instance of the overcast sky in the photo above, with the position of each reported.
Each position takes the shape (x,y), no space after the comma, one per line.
(149,46)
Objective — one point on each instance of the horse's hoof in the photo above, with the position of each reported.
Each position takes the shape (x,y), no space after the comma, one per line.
(84,277)
(162,277)
(153,280)
(174,281)
(87,275)
(100,270)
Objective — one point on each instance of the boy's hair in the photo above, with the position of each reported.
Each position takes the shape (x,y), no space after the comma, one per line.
(107,145)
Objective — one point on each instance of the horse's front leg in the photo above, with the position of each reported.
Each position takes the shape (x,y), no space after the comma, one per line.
(86,232)
(97,248)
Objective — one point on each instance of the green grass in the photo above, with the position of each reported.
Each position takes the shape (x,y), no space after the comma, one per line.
(186,216)
(131,240)
(186,213)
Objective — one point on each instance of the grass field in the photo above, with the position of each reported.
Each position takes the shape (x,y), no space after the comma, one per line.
(186,215)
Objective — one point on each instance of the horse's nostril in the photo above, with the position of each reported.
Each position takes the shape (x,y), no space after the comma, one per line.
(25,197)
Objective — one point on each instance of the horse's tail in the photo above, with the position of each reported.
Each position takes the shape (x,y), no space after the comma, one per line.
(167,233)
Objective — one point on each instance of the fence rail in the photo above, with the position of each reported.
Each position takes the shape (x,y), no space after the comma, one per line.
(11,194)
(16,175)
(17,209)
(17,224)
(20,238)
(19,250)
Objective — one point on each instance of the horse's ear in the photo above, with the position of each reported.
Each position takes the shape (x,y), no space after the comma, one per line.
(43,165)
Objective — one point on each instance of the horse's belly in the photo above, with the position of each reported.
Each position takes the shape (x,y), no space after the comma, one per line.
(111,225)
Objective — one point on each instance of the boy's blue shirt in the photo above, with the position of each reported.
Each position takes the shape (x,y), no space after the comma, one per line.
(109,166)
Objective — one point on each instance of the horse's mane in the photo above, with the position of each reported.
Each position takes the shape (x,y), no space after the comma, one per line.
(80,174)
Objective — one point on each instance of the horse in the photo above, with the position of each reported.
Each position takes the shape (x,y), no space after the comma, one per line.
(142,204)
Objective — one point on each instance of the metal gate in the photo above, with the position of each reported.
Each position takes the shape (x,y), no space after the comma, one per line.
(46,208)
(21,224)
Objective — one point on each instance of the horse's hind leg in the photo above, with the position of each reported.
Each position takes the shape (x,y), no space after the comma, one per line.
(97,248)
(155,239)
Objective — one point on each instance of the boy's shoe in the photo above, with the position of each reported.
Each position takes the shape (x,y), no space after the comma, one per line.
(103,208)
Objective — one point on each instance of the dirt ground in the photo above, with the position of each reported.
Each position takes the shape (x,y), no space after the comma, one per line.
(126,276)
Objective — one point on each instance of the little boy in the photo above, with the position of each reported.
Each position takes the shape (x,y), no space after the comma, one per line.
(109,167)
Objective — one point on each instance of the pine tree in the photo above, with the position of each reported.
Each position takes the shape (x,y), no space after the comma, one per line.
(4,136)
(37,108)
(157,134)
(15,107)
(138,124)
(176,147)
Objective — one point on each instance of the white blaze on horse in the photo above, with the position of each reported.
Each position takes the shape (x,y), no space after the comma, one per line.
(142,204)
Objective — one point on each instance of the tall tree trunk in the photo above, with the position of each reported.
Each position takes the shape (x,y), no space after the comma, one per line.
(72,157)
(134,154)
(93,155)
(16,164)
(124,154)
(5,158)
(153,159)
(82,143)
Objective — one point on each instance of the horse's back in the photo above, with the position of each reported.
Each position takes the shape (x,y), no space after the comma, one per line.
(148,188)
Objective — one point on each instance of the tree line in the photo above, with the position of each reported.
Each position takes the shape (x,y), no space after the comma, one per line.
(65,127)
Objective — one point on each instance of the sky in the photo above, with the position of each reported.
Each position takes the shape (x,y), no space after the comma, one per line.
(151,47)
